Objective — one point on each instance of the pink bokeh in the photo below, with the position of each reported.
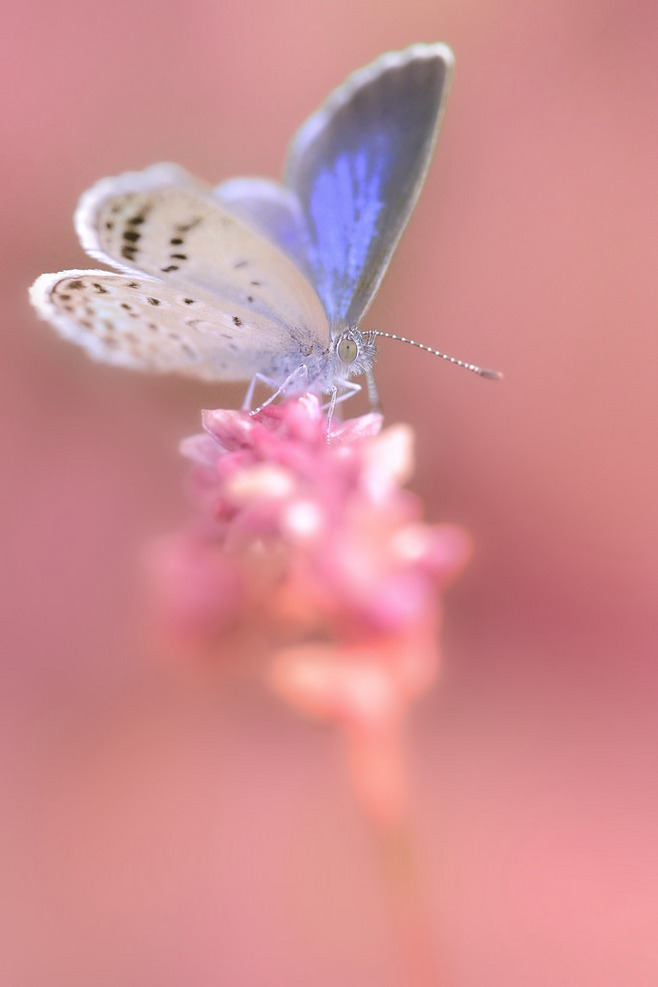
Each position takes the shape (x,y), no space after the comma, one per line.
(161,829)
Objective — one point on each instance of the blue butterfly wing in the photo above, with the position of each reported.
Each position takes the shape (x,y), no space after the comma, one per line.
(357,167)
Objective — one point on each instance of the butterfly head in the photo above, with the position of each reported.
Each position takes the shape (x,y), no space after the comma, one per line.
(352,352)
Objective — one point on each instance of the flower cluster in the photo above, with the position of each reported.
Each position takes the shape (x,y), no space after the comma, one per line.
(307,548)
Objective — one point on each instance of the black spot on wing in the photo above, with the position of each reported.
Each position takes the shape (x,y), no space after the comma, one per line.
(130,234)
(186,227)
(178,241)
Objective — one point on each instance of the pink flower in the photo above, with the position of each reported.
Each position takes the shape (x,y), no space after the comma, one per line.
(309,552)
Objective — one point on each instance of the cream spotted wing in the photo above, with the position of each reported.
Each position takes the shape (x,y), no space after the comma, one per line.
(145,324)
(201,292)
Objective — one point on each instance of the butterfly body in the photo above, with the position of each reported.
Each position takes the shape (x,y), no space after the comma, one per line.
(255,278)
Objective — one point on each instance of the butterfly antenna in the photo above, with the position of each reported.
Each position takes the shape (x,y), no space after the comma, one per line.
(480,371)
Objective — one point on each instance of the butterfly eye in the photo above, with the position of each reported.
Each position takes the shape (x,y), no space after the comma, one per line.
(347,349)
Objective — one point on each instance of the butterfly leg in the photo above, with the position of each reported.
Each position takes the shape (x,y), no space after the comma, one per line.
(340,393)
(329,408)
(293,380)
(373,394)
(249,396)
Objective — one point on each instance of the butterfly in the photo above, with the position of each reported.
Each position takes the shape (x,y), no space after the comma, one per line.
(255,279)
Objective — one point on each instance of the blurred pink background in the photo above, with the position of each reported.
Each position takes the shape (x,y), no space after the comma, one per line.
(160,830)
